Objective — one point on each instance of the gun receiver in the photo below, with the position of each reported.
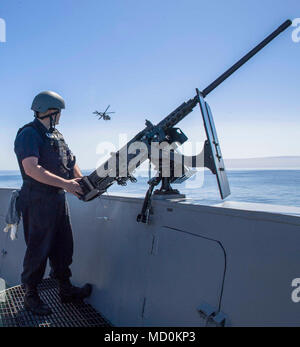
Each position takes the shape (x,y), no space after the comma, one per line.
(96,183)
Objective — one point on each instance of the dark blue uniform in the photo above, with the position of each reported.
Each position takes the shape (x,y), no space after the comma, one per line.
(45,212)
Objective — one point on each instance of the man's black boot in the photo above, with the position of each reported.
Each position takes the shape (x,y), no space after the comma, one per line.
(69,293)
(33,303)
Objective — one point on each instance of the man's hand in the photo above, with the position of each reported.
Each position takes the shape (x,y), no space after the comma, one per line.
(73,187)
(37,172)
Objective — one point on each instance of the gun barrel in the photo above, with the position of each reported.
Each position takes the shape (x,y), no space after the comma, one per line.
(102,183)
(248,56)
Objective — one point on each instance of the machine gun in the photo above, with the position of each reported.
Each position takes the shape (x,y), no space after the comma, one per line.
(119,168)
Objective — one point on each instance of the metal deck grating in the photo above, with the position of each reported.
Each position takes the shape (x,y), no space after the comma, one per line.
(81,314)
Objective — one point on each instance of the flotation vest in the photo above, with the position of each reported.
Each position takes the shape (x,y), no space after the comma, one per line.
(55,155)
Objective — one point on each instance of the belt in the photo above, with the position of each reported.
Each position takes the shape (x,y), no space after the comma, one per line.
(41,187)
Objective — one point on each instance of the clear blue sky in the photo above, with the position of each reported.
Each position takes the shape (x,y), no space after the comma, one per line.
(145,58)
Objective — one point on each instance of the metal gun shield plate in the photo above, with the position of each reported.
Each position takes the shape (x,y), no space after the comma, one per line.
(213,141)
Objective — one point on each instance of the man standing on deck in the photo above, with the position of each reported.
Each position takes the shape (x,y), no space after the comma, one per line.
(48,169)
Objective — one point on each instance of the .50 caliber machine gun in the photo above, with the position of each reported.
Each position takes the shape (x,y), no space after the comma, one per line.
(119,168)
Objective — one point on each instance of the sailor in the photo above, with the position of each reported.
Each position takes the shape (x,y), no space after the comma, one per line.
(48,169)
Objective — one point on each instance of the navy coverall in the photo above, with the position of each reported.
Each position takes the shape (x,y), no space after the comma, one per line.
(45,212)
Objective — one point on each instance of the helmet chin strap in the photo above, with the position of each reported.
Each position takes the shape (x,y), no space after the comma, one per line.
(52,121)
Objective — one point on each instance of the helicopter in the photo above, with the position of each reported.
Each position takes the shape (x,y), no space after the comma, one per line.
(104,115)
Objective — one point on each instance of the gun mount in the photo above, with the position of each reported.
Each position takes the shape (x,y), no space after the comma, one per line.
(119,168)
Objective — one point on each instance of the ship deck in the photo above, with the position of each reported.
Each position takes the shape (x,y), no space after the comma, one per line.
(13,314)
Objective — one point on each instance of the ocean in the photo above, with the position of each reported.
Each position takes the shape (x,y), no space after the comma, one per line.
(278,187)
